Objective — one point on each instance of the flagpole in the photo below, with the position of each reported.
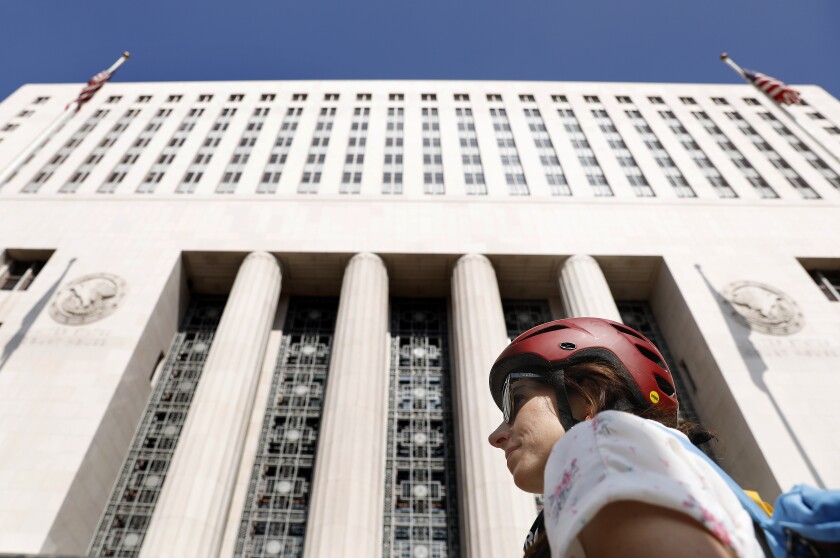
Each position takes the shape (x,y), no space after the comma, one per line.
(120,61)
(41,140)
(731,63)
(734,66)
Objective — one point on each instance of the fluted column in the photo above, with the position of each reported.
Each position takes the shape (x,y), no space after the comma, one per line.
(496,514)
(584,289)
(348,491)
(190,515)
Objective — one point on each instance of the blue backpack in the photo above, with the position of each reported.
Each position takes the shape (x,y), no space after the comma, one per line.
(805,521)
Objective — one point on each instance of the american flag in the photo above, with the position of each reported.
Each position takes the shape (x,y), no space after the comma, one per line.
(775,89)
(94,85)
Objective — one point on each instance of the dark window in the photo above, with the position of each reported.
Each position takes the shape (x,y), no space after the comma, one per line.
(17,275)
(828,280)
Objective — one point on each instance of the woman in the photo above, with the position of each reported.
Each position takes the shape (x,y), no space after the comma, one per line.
(590,412)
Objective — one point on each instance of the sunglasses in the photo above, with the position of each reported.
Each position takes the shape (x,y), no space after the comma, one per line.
(508,408)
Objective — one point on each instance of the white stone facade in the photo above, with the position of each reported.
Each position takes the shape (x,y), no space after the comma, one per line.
(71,396)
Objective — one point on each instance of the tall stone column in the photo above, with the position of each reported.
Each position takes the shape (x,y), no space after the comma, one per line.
(348,490)
(496,514)
(584,289)
(190,515)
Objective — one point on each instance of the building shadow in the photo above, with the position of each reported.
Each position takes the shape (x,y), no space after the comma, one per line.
(740,331)
(31,316)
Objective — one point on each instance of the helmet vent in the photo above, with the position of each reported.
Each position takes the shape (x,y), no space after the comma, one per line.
(628,331)
(664,385)
(653,357)
(546,330)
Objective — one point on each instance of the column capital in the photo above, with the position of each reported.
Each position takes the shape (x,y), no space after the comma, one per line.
(473,257)
(260,255)
(580,257)
(367,256)
(584,289)
(575,259)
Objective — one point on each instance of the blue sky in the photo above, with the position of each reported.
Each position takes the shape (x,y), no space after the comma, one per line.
(577,40)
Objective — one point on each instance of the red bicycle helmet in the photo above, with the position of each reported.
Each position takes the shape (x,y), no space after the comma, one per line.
(551,347)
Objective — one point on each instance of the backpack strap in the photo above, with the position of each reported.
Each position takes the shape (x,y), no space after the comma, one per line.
(783,535)
(758,514)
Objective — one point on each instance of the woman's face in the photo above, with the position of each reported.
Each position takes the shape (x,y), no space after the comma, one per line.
(527,441)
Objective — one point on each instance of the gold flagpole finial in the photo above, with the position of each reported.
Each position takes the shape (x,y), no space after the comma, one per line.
(724,56)
(126,54)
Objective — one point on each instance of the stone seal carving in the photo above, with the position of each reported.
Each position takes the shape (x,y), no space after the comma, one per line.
(765,309)
(87,299)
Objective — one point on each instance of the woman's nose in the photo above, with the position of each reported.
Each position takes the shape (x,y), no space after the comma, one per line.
(497,437)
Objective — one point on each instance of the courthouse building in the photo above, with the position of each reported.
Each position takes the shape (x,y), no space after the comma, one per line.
(256,319)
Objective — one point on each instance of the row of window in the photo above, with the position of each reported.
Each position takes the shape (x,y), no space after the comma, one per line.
(527,98)
(493,97)
(433,175)
(13,125)
(622,99)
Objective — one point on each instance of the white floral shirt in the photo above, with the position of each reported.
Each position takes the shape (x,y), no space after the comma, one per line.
(619,456)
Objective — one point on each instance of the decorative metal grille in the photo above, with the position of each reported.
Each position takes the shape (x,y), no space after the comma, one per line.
(520,316)
(123,525)
(274,518)
(421,509)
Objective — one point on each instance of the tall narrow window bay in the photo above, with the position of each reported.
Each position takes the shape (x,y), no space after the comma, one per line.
(421,508)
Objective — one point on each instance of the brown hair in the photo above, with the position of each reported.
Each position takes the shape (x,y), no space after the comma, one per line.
(603,388)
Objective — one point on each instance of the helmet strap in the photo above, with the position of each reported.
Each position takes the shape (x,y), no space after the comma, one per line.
(557,379)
